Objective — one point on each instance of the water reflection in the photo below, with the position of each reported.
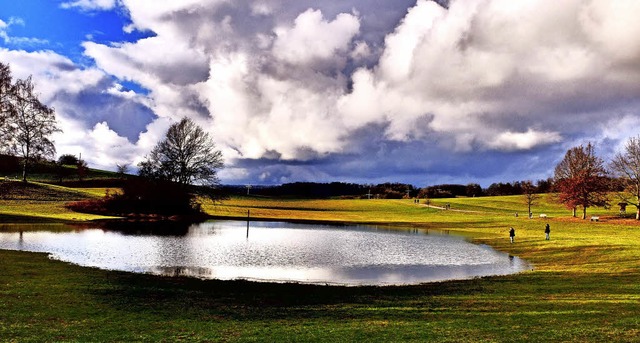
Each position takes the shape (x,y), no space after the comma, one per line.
(162,228)
(278,252)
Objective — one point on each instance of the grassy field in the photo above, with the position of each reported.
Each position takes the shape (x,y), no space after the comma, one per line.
(43,203)
(585,286)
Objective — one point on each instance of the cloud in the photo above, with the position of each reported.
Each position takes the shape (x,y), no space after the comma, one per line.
(98,119)
(346,89)
(5,28)
(90,5)
(96,144)
(496,68)
(298,83)
(313,39)
(523,140)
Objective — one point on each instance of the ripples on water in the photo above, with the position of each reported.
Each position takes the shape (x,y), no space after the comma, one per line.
(274,251)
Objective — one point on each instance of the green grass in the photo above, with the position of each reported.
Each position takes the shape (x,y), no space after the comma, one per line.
(51,301)
(585,287)
(38,202)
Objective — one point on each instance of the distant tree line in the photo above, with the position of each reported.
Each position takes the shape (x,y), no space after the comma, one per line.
(451,190)
(327,190)
(518,187)
(384,190)
(307,190)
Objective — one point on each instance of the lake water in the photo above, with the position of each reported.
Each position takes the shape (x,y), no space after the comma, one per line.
(272,251)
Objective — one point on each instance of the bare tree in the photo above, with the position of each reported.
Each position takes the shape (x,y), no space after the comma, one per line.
(187,156)
(626,166)
(28,126)
(581,179)
(6,89)
(122,170)
(530,196)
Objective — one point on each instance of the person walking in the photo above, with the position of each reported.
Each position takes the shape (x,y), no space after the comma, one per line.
(547,231)
(512,234)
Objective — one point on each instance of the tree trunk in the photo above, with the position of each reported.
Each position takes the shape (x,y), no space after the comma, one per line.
(584,213)
(574,212)
(25,161)
(638,212)
(24,170)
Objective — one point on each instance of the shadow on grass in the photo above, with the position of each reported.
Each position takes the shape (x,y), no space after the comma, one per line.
(170,299)
(30,219)
(245,300)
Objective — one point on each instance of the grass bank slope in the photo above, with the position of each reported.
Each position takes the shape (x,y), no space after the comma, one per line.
(40,203)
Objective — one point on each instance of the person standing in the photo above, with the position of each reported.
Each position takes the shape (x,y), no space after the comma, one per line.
(512,234)
(547,231)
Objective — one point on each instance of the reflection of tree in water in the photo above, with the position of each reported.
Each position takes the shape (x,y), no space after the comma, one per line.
(156,228)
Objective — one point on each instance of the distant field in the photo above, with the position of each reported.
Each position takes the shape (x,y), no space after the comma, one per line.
(499,206)
(487,218)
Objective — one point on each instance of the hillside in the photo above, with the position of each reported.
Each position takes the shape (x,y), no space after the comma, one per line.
(41,203)
(30,191)
(50,172)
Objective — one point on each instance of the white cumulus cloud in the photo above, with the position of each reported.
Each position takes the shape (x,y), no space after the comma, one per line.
(304,82)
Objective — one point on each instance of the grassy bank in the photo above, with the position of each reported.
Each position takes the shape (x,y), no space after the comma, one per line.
(585,287)
(35,202)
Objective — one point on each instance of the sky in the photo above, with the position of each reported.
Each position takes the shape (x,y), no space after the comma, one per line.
(364,91)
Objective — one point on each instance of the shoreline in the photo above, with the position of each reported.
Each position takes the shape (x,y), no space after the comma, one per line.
(156,227)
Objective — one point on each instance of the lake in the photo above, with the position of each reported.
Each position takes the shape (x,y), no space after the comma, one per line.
(270,251)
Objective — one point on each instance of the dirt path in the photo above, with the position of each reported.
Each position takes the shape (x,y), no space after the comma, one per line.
(449,209)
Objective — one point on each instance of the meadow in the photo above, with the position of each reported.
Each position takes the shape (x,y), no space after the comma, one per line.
(585,285)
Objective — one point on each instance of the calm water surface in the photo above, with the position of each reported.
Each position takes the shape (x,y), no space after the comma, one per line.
(273,251)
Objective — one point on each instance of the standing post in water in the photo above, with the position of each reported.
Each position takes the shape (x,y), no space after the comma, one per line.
(248,215)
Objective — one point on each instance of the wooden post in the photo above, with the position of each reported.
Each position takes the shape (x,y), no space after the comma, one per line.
(248,216)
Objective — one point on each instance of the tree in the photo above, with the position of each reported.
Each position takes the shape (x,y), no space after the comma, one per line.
(529,192)
(28,124)
(545,186)
(581,180)
(186,156)
(474,190)
(626,166)
(182,165)
(82,169)
(68,160)
(6,90)
(122,170)
(497,189)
